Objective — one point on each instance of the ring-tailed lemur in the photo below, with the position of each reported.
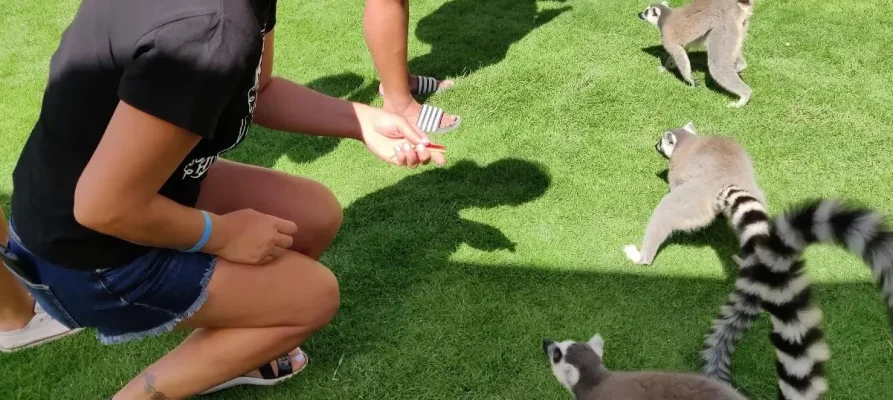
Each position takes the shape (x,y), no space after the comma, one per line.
(579,368)
(720,25)
(709,175)
(772,279)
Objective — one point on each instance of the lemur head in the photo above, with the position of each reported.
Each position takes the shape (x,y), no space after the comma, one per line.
(670,139)
(653,12)
(573,362)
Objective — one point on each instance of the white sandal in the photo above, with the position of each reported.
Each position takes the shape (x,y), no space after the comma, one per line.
(268,376)
(40,330)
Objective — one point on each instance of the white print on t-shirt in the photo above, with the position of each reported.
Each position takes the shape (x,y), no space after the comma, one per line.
(199,166)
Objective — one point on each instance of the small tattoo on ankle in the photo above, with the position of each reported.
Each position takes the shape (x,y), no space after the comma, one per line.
(149,387)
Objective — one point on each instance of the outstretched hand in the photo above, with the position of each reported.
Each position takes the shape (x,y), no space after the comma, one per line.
(394,140)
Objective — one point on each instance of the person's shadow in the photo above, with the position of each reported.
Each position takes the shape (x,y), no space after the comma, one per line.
(395,237)
(468,35)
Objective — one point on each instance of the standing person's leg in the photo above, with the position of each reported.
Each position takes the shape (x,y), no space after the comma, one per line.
(254,313)
(386,29)
(20,325)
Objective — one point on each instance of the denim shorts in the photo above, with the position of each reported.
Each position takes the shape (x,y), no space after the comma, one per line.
(146,297)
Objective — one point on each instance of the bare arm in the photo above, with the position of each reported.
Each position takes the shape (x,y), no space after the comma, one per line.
(286,106)
(117,194)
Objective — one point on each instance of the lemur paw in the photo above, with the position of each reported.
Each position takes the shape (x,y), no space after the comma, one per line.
(740,103)
(633,254)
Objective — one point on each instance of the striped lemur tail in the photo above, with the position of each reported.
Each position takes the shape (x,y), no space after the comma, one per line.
(771,278)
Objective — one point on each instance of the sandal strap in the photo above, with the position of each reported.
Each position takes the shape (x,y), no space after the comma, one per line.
(284,364)
(285,368)
(266,371)
(426,84)
(429,118)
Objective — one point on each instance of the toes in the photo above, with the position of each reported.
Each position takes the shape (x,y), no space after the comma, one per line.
(298,359)
(447,120)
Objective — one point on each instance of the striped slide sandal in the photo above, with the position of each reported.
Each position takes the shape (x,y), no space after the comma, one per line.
(429,120)
(424,85)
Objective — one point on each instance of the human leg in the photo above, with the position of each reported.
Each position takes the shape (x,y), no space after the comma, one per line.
(386,25)
(20,325)
(257,313)
(307,203)
(16,306)
(253,315)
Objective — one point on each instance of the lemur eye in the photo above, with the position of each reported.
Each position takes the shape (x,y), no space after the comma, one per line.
(556,356)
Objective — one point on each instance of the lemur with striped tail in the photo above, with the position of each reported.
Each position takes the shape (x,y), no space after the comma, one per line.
(712,175)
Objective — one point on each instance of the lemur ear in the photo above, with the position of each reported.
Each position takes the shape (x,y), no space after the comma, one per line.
(598,345)
(691,128)
(665,3)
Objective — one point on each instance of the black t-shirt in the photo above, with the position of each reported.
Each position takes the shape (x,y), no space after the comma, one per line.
(195,64)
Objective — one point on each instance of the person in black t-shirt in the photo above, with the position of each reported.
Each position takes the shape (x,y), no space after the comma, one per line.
(124,217)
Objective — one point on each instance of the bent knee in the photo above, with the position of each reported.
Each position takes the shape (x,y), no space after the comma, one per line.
(327,216)
(320,301)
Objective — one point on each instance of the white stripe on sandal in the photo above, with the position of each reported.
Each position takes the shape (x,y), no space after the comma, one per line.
(426,85)
(429,120)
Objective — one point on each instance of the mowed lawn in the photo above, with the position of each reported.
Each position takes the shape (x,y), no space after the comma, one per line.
(451,277)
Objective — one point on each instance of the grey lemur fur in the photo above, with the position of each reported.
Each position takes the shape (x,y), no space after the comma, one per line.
(578,367)
(715,171)
(719,25)
(700,167)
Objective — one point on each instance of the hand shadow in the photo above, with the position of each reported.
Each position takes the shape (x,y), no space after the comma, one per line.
(263,147)
(468,35)
(698,61)
(395,238)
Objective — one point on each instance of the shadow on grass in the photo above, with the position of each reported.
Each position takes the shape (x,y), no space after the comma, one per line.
(698,60)
(416,324)
(468,35)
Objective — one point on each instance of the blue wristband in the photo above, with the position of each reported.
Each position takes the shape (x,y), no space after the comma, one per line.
(205,235)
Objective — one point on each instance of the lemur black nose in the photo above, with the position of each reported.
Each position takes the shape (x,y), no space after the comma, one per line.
(546,344)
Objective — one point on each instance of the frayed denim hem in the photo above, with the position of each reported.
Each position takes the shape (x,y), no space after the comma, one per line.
(168,326)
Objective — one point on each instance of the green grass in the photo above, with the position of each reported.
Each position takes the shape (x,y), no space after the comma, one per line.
(450,277)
